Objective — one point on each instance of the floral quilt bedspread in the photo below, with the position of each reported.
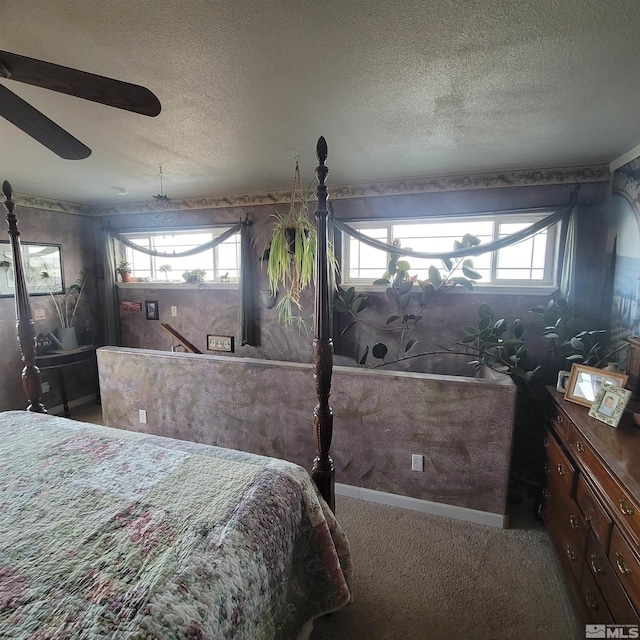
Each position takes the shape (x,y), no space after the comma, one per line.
(113,534)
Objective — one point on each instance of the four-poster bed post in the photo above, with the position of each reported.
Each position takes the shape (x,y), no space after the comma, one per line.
(24,321)
(323,471)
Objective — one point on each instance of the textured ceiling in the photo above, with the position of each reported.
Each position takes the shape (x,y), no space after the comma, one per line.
(400,89)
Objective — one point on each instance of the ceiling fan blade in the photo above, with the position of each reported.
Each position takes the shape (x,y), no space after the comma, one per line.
(20,113)
(81,84)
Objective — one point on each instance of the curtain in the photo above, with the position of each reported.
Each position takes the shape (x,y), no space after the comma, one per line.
(514,238)
(112,317)
(246,311)
(568,273)
(190,252)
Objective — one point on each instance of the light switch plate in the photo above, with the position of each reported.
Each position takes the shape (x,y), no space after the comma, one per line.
(220,343)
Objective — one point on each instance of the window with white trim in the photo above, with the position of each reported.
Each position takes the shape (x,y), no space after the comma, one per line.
(530,263)
(220,263)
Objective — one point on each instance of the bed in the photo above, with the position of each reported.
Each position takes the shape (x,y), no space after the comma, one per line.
(106,533)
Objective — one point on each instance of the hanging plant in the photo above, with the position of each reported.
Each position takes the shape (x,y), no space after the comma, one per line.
(290,258)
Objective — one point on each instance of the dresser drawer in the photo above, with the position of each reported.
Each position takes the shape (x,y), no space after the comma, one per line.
(604,574)
(568,530)
(559,469)
(594,601)
(594,513)
(626,565)
(560,422)
(622,507)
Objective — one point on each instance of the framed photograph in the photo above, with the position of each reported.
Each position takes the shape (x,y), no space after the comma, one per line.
(151,309)
(42,264)
(585,382)
(609,404)
(563,378)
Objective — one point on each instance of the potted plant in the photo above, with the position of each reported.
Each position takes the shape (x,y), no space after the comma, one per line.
(165,268)
(194,276)
(66,305)
(124,269)
(290,256)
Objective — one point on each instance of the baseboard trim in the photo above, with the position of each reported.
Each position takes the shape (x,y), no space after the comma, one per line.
(58,410)
(425,506)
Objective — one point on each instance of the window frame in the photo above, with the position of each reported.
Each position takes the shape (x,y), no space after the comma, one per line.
(157,278)
(552,250)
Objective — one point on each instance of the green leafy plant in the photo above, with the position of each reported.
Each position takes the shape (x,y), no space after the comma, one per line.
(194,276)
(165,268)
(410,296)
(498,345)
(124,269)
(67,303)
(570,337)
(290,252)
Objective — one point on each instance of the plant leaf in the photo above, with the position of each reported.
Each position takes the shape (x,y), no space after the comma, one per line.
(434,276)
(412,343)
(379,350)
(391,319)
(467,284)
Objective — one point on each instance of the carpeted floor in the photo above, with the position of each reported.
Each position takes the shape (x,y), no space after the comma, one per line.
(424,577)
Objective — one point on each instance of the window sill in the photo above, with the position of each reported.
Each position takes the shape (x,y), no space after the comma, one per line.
(488,289)
(177,285)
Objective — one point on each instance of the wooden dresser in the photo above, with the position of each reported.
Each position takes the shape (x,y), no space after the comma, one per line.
(591,509)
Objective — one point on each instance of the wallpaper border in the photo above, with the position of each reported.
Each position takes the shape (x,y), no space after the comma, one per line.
(495,180)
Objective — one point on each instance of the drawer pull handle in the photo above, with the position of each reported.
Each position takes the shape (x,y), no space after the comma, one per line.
(571,553)
(545,442)
(561,470)
(589,520)
(546,467)
(580,447)
(622,566)
(573,521)
(625,507)
(591,599)
(545,493)
(559,419)
(594,564)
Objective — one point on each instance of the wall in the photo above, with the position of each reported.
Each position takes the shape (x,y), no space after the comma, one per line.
(215,311)
(463,426)
(76,235)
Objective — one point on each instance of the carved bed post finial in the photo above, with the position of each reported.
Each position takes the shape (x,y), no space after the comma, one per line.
(24,322)
(323,472)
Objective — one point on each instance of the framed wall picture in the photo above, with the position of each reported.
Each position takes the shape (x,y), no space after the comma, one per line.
(42,266)
(585,382)
(609,404)
(151,309)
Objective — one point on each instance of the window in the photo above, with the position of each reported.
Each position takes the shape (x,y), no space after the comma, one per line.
(220,264)
(530,263)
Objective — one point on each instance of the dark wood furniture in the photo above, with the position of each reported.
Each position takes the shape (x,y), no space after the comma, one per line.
(591,510)
(59,360)
(323,472)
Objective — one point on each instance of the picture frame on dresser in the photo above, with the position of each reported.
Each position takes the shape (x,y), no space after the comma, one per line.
(585,382)
(609,404)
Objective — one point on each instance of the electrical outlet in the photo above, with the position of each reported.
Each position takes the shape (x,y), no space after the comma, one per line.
(39,314)
(220,343)
(174,311)
(45,387)
(417,462)
(142,414)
